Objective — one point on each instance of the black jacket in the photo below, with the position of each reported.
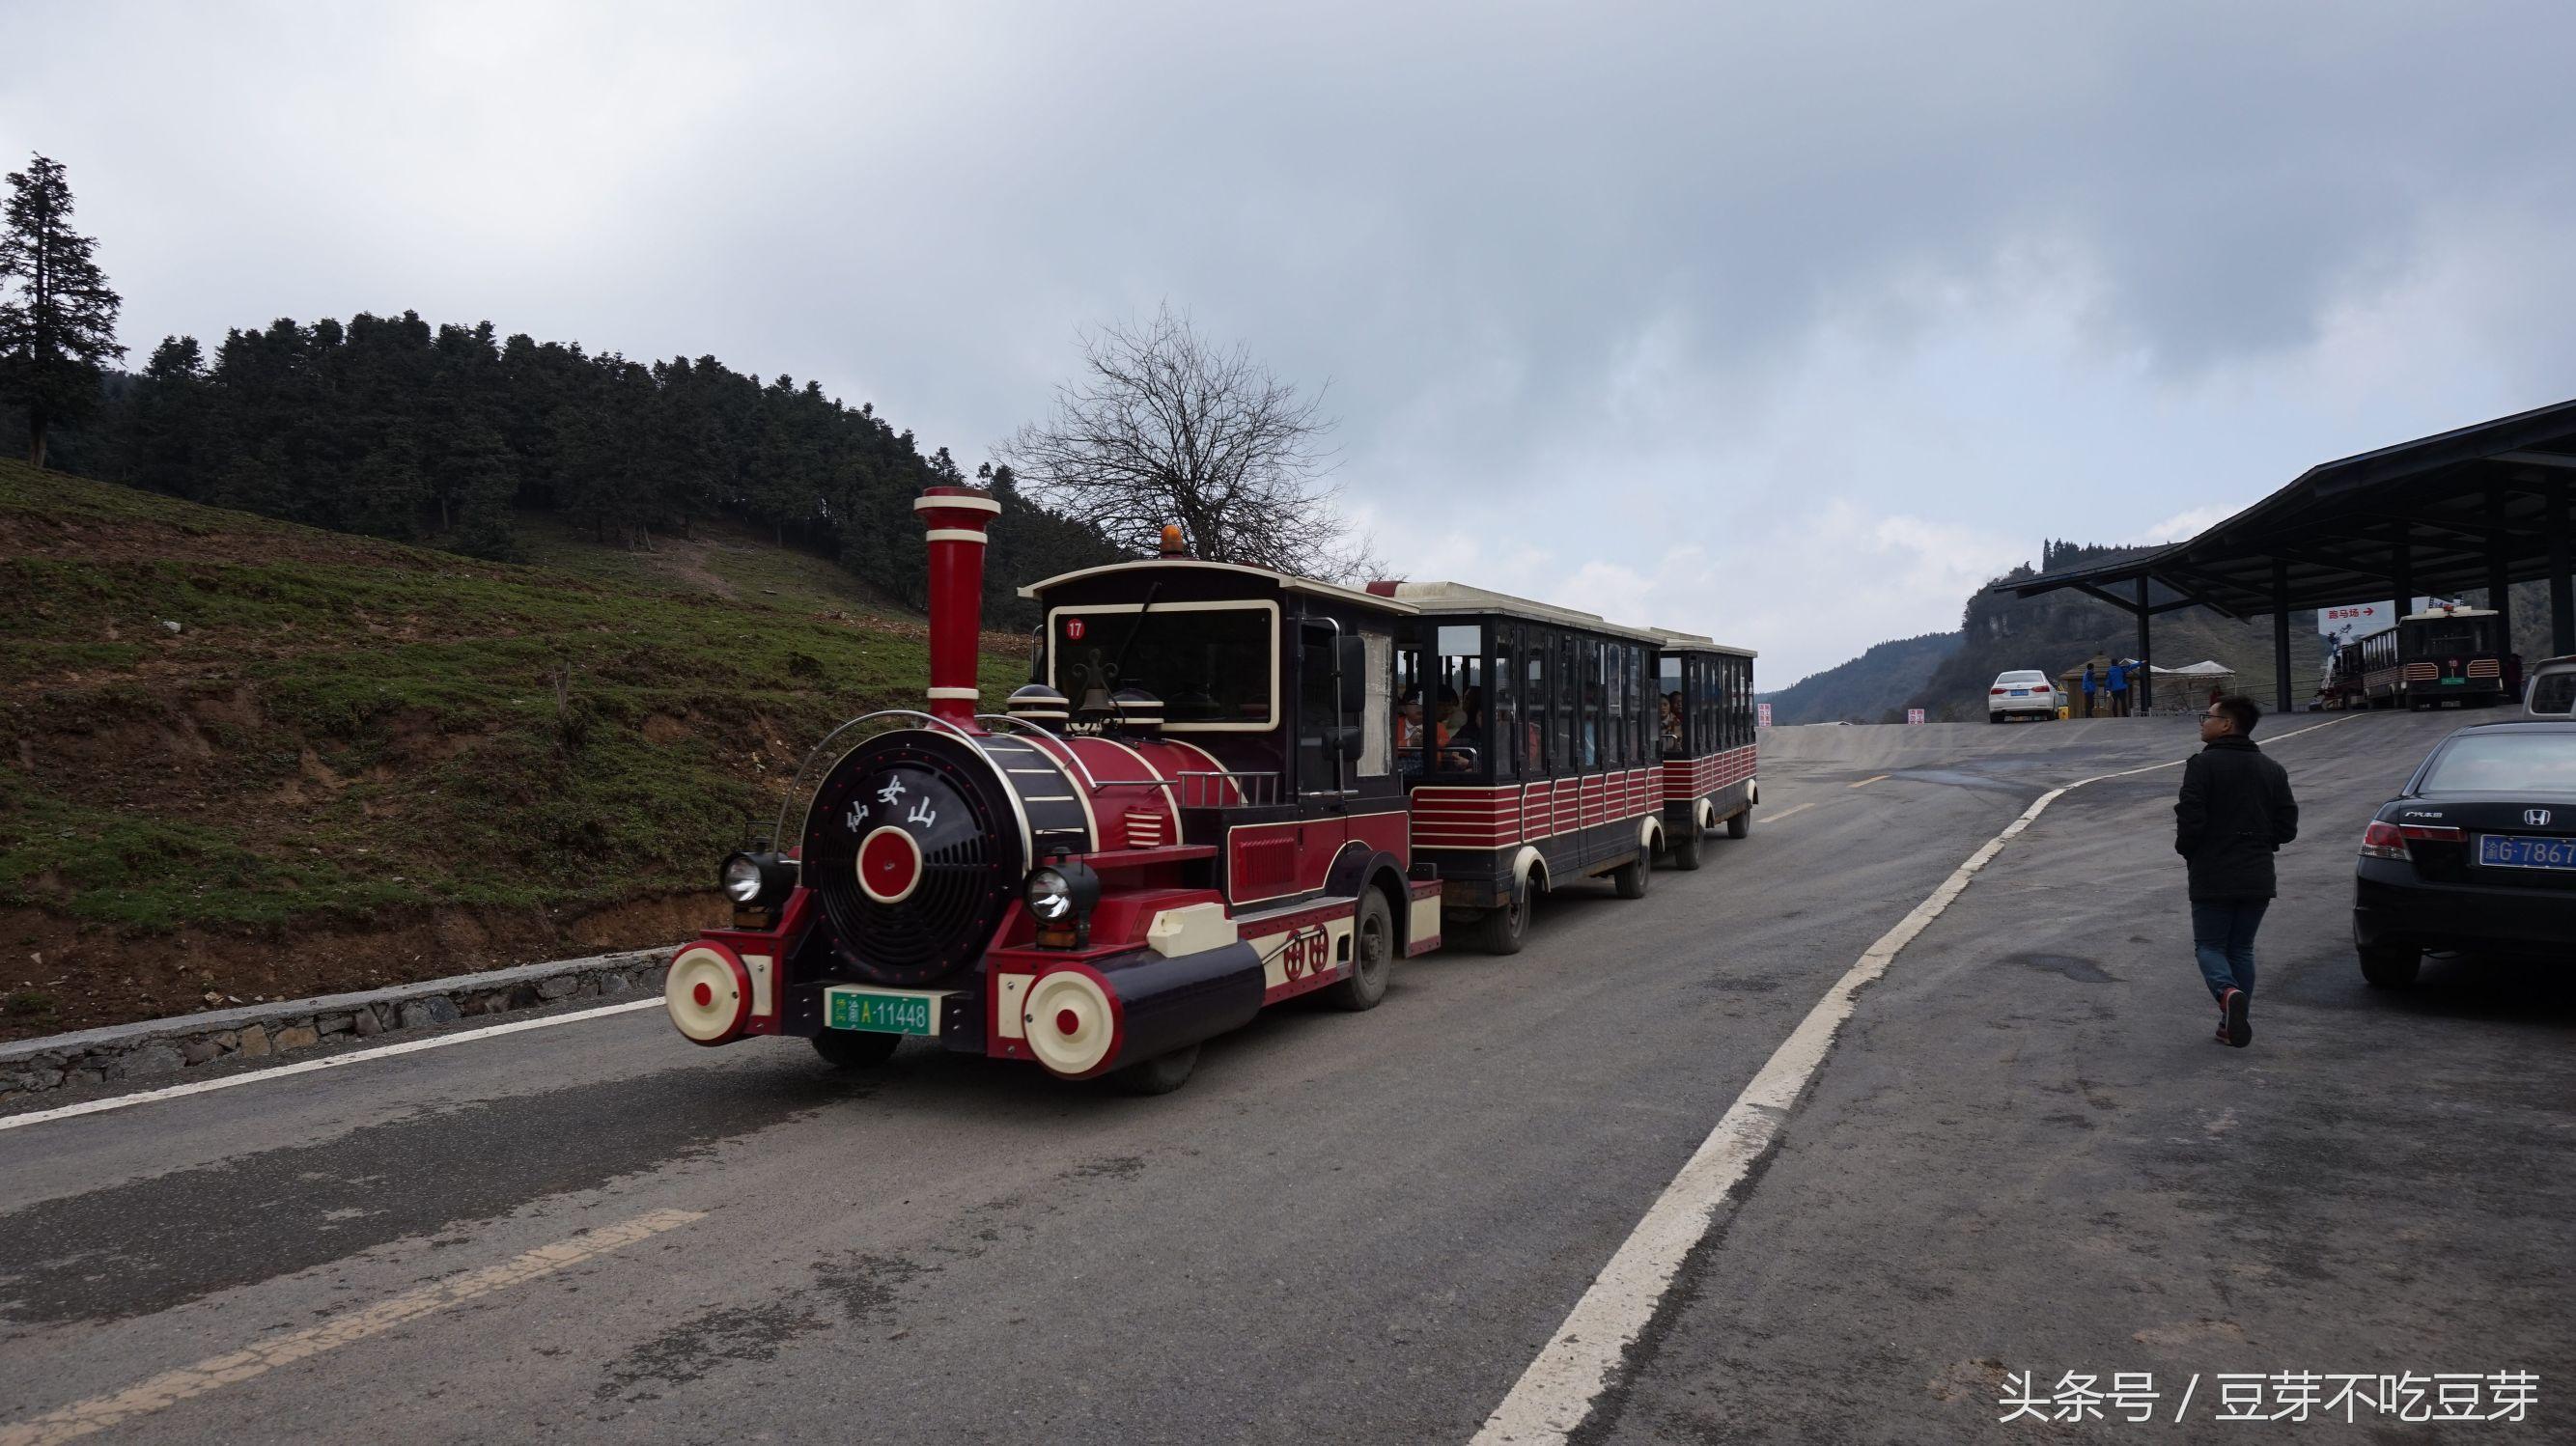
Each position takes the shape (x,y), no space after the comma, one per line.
(2235,809)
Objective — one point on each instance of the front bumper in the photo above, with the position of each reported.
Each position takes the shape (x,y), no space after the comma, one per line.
(2391,904)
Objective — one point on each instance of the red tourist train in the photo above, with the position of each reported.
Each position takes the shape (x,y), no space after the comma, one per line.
(2443,654)
(1224,787)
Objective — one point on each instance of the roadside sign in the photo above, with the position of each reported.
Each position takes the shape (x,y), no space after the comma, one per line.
(2355,620)
(1913,715)
(1761,715)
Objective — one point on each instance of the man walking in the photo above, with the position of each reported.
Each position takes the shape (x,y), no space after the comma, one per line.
(2118,687)
(2088,687)
(2234,812)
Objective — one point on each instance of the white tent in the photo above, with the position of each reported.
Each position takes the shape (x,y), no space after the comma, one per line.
(2189,689)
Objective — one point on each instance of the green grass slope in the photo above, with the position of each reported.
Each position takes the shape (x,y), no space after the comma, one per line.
(354,762)
(1867,688)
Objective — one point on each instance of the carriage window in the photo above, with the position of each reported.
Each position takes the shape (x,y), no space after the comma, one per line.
(1545,731)
(1455,704)
(1586,678)
(1614,704)
(1668,704)
(1212,667)
(1504,748)
(1408,703)
(1641,705)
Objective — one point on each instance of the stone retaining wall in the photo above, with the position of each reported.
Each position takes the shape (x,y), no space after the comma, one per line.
(162,1050)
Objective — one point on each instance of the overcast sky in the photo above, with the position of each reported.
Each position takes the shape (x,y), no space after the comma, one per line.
(1786,323)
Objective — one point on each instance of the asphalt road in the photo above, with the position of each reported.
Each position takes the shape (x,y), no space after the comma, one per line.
(2024,1155)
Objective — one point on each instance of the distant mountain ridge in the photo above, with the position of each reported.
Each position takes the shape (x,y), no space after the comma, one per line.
(1869,687)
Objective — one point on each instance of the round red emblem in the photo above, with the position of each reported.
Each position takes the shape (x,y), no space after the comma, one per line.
(1073,629)
(889,865)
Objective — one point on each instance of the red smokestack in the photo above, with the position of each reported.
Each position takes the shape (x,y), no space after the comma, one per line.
(956,517)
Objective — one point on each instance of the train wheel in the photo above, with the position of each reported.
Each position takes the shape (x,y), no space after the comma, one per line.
(1740,823)
(1685,850)
(1160,1075)
(1630,878)
(1372,956)
(2391,966)
(855,1049)
(1506,929)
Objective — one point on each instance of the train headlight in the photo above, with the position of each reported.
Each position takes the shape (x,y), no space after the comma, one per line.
(1060,897)
(1050,896)
(742,878)
(757,879)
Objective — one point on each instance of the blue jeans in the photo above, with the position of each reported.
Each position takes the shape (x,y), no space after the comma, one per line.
(2222,936)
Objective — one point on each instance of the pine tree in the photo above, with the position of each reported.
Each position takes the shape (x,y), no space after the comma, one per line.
(58,335)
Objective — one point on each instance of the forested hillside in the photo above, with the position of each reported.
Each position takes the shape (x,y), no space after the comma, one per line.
(444,435)
(1867,689)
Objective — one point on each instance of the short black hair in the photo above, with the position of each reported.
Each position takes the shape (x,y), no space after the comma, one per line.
(2241,711)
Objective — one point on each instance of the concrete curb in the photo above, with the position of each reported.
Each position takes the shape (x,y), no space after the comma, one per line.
(160,1047)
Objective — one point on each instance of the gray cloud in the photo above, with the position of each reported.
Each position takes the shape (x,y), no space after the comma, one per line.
(1682,306)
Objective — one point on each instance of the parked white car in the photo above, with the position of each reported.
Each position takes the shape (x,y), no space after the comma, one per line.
(2024,691)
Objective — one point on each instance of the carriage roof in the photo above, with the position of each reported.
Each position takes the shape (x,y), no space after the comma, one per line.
(1456,599)
(1700,643)
(1285,581)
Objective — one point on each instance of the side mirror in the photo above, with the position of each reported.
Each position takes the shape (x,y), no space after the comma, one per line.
(1350,669)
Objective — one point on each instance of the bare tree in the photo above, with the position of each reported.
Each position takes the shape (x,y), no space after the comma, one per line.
(1163,427)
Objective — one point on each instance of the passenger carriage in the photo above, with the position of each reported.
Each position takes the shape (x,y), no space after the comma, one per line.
(2440,654)
(1218,792)
(1706,740)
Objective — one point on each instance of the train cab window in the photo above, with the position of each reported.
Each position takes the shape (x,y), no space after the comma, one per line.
(1455,706)
(1502,747)
(1321,769)
(1213,667)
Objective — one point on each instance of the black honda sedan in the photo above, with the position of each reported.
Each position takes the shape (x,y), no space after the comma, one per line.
(2479,853)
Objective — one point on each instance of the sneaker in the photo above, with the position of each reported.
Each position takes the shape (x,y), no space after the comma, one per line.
(2240,1030)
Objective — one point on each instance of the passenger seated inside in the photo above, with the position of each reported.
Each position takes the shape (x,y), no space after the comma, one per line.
(1459,747)
(1409,730)
(1671,722)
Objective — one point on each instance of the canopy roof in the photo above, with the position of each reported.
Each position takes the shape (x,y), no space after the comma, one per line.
(2451,502)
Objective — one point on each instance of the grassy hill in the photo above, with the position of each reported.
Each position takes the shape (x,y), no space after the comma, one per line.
(244,758)
(1866,689)
(2062,629)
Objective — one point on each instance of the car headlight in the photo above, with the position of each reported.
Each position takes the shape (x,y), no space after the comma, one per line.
(1049,896)
(742,878)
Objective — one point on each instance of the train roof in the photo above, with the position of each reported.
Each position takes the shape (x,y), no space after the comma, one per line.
(2430,614)
(1700,643)
(1457,599)
(1285,581)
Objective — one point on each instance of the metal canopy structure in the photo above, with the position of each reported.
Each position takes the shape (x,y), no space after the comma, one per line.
(2481,507)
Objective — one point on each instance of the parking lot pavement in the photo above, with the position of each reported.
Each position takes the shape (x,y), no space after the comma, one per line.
(2028,1158)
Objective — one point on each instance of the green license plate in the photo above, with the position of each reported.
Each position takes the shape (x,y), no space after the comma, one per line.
(880,1012)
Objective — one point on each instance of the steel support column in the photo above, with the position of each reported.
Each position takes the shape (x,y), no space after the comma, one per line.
(2281,635)
(2401,571)
(2562,589)
(2500,571)
(2142,687)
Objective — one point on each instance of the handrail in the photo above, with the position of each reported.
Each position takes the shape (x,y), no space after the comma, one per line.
(785,838)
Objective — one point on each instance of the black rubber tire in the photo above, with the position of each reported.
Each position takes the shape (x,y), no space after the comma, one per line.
(1160,1075)
(1994,717)
(1684,852)
(1372,956)
(1504,930)
(1740,823)
(2390,966)
(855,1048)
(1632,878)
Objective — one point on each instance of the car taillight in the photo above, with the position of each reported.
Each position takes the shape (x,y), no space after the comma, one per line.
(2431,833)
(2382,841)
(1998,692)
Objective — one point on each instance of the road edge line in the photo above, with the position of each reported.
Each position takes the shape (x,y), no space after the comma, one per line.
(308,1066)
(1556,1394)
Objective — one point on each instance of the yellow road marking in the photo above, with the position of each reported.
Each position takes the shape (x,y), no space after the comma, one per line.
(171,1387)
(1866,782)
(1786,812)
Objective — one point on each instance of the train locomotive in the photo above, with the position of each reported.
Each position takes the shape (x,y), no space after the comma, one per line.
(1203,803)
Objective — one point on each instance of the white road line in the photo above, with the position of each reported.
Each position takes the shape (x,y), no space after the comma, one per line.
(1786,812)
(1866,782)
(1557,1392)
(171,1387)
(355,1056)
